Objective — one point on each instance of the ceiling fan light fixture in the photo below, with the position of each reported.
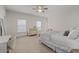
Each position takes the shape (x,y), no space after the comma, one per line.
(40,9)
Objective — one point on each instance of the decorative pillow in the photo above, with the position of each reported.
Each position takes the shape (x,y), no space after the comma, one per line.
(73,34)
(66,33)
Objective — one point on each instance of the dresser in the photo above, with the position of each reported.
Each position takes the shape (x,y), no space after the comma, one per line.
(3,43)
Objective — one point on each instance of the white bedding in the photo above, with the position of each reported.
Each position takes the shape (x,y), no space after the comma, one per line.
(64,41)
(60,41)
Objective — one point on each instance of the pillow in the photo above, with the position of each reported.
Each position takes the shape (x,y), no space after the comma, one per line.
(66,33)
(73,34)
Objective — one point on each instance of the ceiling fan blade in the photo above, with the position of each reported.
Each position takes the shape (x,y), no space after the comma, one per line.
(45,8)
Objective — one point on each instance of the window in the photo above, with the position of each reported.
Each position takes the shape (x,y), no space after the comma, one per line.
(38,25)
(21,25)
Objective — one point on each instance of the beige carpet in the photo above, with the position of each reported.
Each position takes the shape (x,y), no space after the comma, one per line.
(30,45)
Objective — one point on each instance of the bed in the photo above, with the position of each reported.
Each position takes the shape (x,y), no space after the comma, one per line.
(59,43)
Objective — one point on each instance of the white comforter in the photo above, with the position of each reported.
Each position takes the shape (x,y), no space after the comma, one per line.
(60,41)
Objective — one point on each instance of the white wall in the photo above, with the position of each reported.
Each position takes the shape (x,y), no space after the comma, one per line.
(13,16)
(2,11)
(63,17)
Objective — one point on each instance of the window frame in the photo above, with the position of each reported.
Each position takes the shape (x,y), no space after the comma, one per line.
(19,31)
(39,26)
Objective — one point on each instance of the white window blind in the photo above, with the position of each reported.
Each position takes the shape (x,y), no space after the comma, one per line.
(21,25)
(38,25)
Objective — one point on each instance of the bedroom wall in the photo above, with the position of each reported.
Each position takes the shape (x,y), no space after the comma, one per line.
(2,12)
(12,17)
(63,17)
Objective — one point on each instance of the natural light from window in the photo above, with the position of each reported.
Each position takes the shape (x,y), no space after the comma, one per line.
(21,25)
(38,25)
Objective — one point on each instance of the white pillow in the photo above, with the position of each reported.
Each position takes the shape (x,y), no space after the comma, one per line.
(73,34)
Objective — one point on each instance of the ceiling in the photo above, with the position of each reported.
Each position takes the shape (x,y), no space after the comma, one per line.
(51,9)
(25,9)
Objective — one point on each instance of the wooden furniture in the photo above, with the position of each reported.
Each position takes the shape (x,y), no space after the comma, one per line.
(75,51)
(32,31)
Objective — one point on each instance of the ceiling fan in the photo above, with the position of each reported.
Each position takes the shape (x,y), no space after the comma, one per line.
(40,8)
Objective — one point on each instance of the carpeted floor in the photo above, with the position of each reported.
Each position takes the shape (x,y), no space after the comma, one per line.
(30,45)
